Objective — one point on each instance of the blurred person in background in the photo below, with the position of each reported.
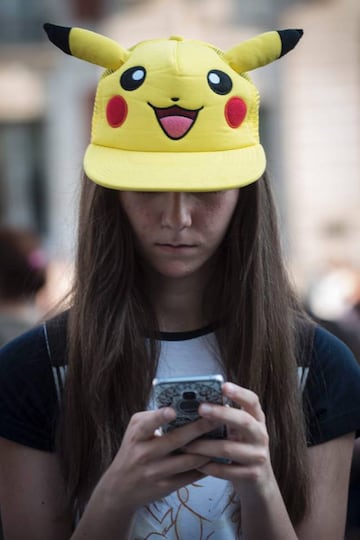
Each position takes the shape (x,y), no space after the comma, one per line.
(22,277)
(334,302)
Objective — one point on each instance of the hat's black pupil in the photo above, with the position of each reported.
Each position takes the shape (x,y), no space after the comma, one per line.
(219,82)
(133,78)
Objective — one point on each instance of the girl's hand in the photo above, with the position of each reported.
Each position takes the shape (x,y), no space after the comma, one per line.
(247,444)
(145,467)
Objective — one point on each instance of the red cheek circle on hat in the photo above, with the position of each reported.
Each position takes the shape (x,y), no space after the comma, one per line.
(116,111)
(235,112)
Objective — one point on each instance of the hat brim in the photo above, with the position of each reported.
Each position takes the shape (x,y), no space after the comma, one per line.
(178,171)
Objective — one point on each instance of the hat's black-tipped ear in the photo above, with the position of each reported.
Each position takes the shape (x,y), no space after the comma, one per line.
(262,49)
(289,39)
(59,36)
(87,45)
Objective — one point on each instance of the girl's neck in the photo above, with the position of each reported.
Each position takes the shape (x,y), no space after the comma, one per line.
(178,302)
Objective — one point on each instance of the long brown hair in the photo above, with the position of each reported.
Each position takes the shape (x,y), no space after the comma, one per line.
(110,366)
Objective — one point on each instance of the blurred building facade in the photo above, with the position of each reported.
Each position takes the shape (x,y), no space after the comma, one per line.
(310,110)
(322,133)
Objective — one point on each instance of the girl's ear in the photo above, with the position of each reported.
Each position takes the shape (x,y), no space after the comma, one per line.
(262,49)
(87,45)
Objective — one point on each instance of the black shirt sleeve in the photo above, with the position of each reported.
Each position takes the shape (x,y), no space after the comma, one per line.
(332,391)
(28,404)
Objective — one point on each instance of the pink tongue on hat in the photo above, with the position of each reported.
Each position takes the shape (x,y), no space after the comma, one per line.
(176,126)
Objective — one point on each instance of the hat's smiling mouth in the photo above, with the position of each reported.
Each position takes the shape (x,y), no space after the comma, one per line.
(175,121)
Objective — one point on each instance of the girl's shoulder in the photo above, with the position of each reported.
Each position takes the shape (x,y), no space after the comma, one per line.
(43,344)
(319,347)
(28,393)
(25,352)
(332,389)
(331,354)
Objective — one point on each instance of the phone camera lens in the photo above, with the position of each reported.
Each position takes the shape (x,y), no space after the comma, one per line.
(189,406)
(189,395)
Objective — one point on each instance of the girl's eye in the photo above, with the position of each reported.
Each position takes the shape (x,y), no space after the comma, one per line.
(219,82)
(133,78)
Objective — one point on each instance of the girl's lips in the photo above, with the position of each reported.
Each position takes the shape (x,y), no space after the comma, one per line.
(175,247)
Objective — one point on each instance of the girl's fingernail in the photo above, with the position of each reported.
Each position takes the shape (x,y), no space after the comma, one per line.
(230,388)
(205,408)
(168,413)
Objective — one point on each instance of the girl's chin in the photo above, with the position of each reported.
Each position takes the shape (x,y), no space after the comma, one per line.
(176,271)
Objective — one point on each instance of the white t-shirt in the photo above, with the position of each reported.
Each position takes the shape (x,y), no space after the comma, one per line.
(209,508)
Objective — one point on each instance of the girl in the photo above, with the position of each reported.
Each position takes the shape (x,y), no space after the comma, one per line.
(179,272)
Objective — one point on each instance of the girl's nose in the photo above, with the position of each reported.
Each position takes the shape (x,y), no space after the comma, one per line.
(176,212)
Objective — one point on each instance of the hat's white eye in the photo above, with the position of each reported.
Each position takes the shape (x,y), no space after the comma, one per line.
(219,82)
(132,78)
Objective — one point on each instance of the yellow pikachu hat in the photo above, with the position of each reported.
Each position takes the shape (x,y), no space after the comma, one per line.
(174,114)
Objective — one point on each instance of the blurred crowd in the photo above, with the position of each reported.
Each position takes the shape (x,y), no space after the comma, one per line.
(22,276)
(334,301)
(31,283)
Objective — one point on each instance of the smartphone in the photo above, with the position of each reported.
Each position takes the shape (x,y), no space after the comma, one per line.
(185,394)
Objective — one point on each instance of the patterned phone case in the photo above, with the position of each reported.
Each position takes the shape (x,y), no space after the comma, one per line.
(185,395)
